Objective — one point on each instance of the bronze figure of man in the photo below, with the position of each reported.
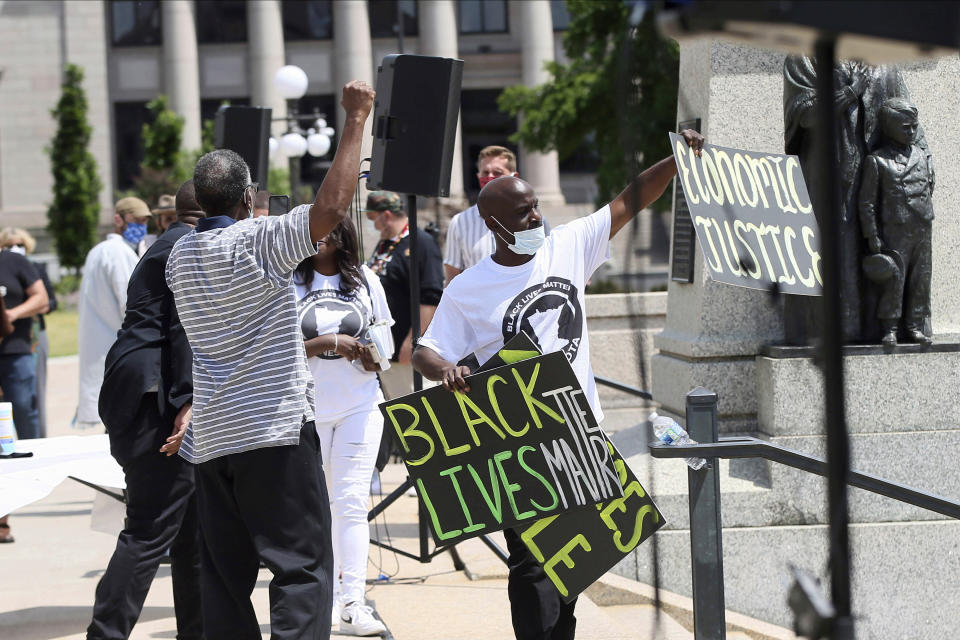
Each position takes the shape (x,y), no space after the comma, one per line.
(896,216)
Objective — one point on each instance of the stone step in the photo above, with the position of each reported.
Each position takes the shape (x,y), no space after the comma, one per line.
(613,591)
(756,492)
(909,568)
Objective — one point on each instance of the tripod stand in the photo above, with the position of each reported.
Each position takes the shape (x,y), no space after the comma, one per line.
(425,555)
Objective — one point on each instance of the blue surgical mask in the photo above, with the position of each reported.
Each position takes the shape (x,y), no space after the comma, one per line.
(134,232)
(526,242)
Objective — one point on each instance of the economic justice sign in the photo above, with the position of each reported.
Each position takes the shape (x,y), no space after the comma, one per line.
(752,216)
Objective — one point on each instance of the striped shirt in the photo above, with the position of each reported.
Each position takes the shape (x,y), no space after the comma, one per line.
(468,240)
(234,292)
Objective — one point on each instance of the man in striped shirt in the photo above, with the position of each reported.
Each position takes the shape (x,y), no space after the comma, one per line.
(468,239)
(260,486)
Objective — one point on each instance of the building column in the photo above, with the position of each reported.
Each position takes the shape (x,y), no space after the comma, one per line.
(352,59)
(265,22)
(541,170)
(438,37)
(181,68)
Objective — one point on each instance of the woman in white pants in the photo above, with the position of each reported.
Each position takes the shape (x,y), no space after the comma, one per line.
(338,300)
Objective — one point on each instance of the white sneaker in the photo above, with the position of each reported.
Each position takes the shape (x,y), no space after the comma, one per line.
(335,611)
(357,619)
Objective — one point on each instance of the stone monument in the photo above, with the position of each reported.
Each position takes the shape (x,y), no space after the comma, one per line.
(862,91)
(731,340)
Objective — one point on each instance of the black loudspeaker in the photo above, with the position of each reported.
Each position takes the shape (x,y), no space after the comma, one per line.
(246,130)
(415,124)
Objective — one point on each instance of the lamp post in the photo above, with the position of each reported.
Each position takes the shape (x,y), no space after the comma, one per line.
(291,83)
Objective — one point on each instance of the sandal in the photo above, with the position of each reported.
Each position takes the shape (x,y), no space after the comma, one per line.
(5,534)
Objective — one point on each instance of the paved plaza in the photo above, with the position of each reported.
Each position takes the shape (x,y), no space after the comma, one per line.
(52,569)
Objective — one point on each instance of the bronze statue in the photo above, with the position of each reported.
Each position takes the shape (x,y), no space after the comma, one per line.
(896,215)
(861,91)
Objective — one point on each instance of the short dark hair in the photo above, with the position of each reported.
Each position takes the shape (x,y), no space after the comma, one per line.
(219,180)
(186,199)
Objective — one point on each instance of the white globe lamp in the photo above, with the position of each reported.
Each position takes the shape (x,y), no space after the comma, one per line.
(293,145)
(318,144)
(290,82)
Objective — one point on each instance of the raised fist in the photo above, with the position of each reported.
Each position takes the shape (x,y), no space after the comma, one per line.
(358,98)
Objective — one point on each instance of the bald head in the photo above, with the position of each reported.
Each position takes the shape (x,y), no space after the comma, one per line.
(188,209)
(503,195)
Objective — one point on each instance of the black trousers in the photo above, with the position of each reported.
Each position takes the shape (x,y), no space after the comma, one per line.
(267,504)
(161,515)
(536,608)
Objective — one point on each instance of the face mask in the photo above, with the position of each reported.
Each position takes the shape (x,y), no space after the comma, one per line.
(134,232)
(19,250)
(526,242)
(485,180)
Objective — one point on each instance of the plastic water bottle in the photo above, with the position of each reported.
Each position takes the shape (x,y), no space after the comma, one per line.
(8,434)
(669,432)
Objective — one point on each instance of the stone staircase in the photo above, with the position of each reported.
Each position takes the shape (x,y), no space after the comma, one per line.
(904,559)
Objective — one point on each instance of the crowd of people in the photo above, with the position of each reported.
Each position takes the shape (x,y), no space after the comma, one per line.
(237,360)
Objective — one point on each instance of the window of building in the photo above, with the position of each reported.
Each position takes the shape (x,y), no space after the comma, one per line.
(129,118)
(383,17)
(560,14)
(483,16)
(135,23)
(482,124)
(221,21)
(307,20)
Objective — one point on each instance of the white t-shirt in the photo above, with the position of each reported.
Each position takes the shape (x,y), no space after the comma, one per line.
(489,303)
(101,306)
(341,387)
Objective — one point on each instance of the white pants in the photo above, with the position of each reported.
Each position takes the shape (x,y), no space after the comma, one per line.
(349,448)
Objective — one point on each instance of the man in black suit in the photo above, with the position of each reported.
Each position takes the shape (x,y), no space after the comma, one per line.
(145,403)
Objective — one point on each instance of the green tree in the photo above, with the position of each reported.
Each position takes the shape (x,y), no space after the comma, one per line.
(618,95)
(75,209)
(163,136)
(278,180)
(164,166)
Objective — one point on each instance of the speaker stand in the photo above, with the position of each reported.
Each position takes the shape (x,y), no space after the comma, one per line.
(425,555)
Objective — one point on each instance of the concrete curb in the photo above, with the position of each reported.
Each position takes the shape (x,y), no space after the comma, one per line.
(612,590)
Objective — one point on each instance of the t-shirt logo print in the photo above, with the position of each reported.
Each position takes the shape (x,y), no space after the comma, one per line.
(550,314)
(325,311)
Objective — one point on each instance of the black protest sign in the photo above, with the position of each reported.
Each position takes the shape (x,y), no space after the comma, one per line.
(752,216)
(576,548)
(519,347)
(520,446)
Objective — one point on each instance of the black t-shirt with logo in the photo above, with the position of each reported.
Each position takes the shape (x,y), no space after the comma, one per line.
(16,276)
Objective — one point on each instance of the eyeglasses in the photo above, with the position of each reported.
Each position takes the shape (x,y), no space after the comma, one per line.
(255,185)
